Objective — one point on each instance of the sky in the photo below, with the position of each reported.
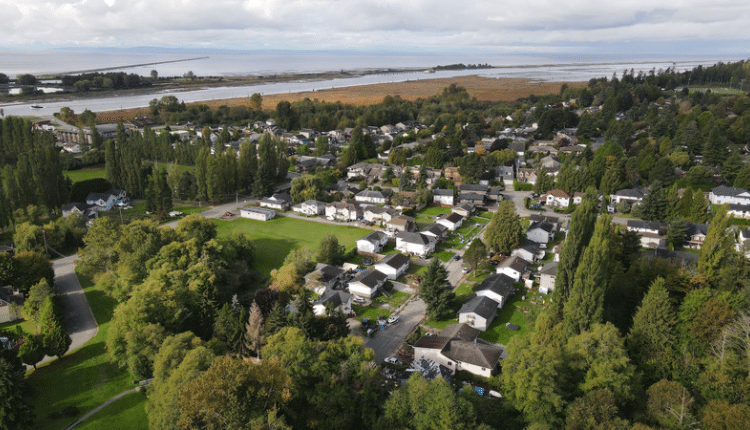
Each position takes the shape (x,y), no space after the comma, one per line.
(575,28)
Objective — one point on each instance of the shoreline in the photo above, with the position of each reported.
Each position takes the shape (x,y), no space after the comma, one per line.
(482,88)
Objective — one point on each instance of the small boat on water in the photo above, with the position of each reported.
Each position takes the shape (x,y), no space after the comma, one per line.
(36,107)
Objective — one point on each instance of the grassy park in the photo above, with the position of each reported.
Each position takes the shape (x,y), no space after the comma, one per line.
(275,238)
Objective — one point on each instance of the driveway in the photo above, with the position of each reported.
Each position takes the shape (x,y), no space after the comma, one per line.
(79,319)
(386,343)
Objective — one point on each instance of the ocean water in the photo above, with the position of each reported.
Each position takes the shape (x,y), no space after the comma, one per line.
(202,63)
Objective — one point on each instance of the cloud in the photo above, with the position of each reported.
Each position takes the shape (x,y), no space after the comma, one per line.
(366,24)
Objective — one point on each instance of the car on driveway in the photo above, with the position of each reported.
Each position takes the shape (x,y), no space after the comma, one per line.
(456,257)
(393,319)
(391,360)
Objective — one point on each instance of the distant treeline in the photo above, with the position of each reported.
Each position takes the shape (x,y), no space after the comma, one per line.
(110,80)
(462,66)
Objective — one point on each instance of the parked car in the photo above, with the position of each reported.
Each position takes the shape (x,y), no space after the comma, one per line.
(456,257)
(393,319)
(359,300)
(391,360)
(175,213)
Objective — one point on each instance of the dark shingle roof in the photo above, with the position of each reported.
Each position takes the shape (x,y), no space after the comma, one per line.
(396,260)
(499,283)
(442,192)
(473,353)
(436,229)
(374,237)
(480,305)
(452,217)
(335,297)
(417,238)
(723,190)
(542,225)
(370,278)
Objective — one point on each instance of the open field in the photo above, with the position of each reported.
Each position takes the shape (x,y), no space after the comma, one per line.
(85,378)
(484,89)
(126,413)
(86,173)
(275,238)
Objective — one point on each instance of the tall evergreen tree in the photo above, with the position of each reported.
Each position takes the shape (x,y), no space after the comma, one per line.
(652,337)
(267,163)
(585,306)
(15,412)
(719,262)
(247,165)
(579,233)
(433,290)
(715,148)
(504,233)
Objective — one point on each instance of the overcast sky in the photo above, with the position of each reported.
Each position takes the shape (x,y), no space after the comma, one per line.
(523,26)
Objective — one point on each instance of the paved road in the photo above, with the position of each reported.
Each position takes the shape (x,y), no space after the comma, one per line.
(80,320)
(386,343)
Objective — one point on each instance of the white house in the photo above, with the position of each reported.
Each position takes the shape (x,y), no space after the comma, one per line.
(401,223)
(437,231)
(498,287)
(696,234)
(324,277)
(367,283)
(415,244)
(259,214)
(465,209)
(373,197)
(529,251)
(547,277)
(456,348)
(506,174)
(478,312)
(11,302)
(372,243)
(377,214)
(629,195)
(311,207)
(731,195)
(338,300)
(451,221)
(514,267)
(393,265)
(541,232)
(556,198)
(278,201)
(739,211)
(108,200)
(344,210)
(444,197)
(86,210)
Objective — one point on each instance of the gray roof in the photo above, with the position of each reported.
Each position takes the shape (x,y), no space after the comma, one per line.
(328,272)
(477,188)
(436,229)
(443,192)
(396,260)
(629,192)
(544,218)
(473,353)
(515,263)
(480,305)
(81,206)
(694,228)
(499,283)
(284,197)
(372,194)
(417,238)
(723,190)
(473,197)
(370,278)
(374,237)
(549,269)
(452,217)
(335,297)
(548,227)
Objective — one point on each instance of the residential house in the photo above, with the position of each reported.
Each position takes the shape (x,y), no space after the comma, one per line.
(465,209)
(259,214)
(85,210)
(541,232)
(342,187)
(739,211)
(11,302)
(324,277)
(401,223)
(518,146)
(473,188)
(495,194)
(526,175)
(108,200)
(372,243)
(732,195)
(456,348)
(555,221)
(743,242)
(310,207)
(550,162)
(473,198)
(547,276)
(415,244)
(393,265)
(374,197)
(529,251)
(630,195)
(278,201)
(556,198)
(451,221)
(505,174)
(577,198)
(696,234)
(438,231)
(367,283)
(339,301)
(513,267)
(347,210)
(451,173)
(497,286)
(478,312)
(377,214)
(652,234)
(444,197)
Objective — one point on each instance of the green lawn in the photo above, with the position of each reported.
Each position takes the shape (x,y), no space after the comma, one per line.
(85,378)
(443,255)
(435,211)
(463,293)
(397,299)
(513,312)
(369,312)
(126,413)
(86,174)
(26,326)
(275,238)
(480,220)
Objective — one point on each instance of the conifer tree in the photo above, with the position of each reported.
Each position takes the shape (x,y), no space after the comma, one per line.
(579,234)
(585,306)
(718,261)
(652,337)
(504,233)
